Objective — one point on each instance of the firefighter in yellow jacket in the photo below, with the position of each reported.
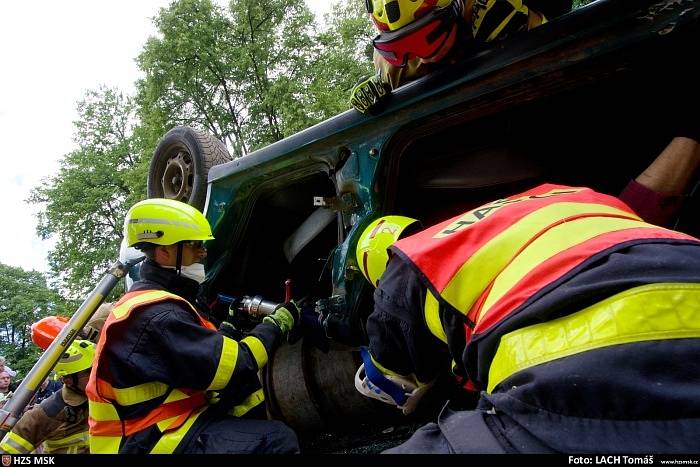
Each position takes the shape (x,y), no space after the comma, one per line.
(578,322)
(60,421)
(165,380)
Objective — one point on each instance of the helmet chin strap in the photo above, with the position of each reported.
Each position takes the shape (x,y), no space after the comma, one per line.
(178,260)
(73,381)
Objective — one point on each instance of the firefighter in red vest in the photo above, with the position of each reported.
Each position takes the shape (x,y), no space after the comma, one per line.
(164,379)
(578,322)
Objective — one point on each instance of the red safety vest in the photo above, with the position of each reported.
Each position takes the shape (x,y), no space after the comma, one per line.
(489,261)
(106,428)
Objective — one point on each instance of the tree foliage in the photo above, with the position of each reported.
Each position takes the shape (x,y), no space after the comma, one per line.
(24,299)
(235,73)
(580,3)
(251,74)
(85,203)
(343,55)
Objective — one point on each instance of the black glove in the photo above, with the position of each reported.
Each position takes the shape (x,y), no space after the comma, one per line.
(687,126)
(311,328)
(370,95)
(680,100)
(309,325)
(227,326)
(229,330)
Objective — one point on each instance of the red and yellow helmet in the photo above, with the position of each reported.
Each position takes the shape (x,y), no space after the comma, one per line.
(390,15)
(413,28)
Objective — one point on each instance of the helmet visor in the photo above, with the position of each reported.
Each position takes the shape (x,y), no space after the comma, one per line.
(423,38)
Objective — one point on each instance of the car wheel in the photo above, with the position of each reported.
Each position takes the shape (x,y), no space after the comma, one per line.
(181,164)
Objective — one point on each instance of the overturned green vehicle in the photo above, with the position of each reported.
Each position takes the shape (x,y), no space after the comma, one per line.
(583,100)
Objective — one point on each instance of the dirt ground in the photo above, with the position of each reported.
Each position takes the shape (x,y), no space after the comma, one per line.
(361,440)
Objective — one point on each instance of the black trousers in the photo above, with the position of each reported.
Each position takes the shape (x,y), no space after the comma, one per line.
(229,435)
(470,432)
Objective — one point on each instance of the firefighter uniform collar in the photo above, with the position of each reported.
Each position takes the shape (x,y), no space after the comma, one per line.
(166,279)
(71,397)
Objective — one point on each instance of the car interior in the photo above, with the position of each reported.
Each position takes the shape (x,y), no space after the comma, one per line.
(601,134)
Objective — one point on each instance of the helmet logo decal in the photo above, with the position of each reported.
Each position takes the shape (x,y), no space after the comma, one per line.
(67,358)
(144,220)
(148,234)
(390,229)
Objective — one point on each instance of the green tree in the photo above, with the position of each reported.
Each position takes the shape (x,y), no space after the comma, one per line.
(580,3)
(344,55)
(239,73)
(84,205)
(274,40)
(254,73)
(251,74)
(186,70)
(24,299)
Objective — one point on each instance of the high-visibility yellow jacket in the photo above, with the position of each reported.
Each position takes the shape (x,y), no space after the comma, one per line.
(490,263)
(158,367)
(60,422)
(578,323)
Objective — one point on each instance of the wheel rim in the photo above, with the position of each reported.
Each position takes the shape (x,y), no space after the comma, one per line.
(177,178)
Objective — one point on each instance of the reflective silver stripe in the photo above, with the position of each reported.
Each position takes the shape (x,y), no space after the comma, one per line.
(163,222)
(11,446)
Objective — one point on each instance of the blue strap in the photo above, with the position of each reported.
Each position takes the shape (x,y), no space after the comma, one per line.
(394,391)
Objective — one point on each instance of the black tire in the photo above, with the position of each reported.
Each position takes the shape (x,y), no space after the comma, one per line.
(181,164)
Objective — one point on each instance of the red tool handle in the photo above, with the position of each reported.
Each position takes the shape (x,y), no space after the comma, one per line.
(287,291)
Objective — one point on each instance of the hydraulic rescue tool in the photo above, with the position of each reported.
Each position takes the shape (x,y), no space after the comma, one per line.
(12,410)
(255,307)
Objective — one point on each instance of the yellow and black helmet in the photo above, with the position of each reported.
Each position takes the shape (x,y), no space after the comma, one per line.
(492,19)
(77,357)
(423,28)
(390,15)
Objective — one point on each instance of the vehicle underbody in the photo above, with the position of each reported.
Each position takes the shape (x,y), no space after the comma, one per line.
(589,100)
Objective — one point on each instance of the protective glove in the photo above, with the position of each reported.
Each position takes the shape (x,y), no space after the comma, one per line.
(370,95)
(311,328)
(678,100)
(688,127)
(285,317)
(227,326)
(229,330)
